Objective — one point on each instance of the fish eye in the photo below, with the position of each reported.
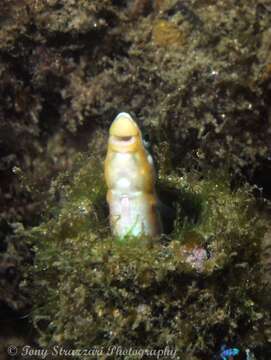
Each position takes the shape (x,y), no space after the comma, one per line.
(147,137)
(146,140)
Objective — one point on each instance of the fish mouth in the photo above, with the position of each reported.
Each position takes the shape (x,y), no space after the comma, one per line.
(122,140)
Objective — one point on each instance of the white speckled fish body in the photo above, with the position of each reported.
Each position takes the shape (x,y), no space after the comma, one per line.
(131,195)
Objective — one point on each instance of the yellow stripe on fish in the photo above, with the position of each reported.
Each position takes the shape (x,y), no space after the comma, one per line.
(130,178)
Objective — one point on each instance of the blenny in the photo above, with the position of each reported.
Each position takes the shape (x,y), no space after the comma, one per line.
(130,178)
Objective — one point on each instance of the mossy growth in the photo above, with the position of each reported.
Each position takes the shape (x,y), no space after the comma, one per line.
(90,289)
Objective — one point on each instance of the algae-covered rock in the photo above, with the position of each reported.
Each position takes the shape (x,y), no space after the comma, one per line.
(196,75)
(91,290)
(196,72)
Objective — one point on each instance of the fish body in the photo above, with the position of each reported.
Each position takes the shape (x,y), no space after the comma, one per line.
(130,178)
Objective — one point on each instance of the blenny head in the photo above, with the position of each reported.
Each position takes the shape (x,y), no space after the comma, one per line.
(124,134)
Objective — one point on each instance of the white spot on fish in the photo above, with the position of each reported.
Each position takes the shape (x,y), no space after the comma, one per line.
(123,183)
(150,160)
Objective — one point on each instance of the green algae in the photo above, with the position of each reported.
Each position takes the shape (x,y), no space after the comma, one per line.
(91,290)
(67,68)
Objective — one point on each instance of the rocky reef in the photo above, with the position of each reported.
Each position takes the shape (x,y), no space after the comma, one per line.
(91,289)
(196,75)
